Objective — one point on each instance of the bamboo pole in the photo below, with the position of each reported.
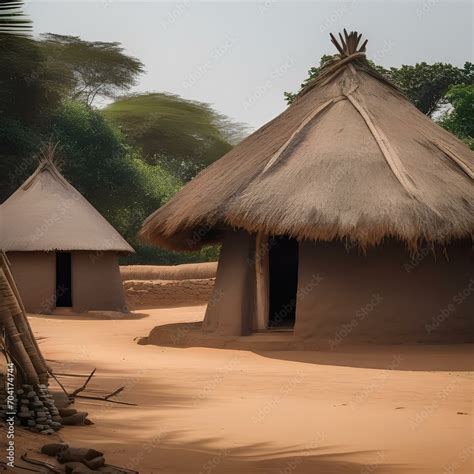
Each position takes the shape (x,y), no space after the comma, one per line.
(27,339)
(14,339)
(5,263)
(13,300)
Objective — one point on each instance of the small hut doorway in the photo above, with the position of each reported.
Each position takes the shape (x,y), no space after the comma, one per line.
(283,279)
(63,280)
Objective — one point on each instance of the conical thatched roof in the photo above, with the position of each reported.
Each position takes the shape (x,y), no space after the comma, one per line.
(351,158)
(47,213)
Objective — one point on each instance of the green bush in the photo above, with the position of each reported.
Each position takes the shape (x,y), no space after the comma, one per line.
(111,175)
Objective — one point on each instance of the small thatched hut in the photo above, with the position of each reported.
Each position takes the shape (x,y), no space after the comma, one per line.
(349,216)
(63,252)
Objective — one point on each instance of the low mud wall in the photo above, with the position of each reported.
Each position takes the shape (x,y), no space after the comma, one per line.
(195,271)
(143,294)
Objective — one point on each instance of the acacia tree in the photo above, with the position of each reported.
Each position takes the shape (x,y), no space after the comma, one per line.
(97,68)
(183,135)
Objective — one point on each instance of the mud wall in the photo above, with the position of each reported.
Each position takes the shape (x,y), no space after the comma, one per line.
(143,294)
(96,282)
(95,277)
(188,271)
(35,276)
(231,308)
(385,295)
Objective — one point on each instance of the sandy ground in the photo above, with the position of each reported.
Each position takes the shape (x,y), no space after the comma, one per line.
(385,409)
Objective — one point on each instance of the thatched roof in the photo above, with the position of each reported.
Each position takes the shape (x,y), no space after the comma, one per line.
(47,213)
(351,158)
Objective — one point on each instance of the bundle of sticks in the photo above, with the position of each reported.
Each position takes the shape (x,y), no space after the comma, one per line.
(18,342)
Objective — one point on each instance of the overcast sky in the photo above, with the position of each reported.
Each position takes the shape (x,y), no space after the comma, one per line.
(241,56)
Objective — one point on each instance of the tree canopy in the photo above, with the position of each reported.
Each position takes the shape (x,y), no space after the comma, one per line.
(426,85)
(183,135)
(96,158)
(30,85)
(460,118)
(95,68)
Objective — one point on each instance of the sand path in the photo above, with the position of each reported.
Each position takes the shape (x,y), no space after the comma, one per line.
(388,409)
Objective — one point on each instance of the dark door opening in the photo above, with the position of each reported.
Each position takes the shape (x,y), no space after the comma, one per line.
(63,280)
(283,263)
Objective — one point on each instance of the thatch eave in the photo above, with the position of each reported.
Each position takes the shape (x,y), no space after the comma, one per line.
(362,237)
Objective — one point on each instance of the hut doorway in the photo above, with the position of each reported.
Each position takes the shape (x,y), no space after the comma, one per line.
(283,280)
(63,280)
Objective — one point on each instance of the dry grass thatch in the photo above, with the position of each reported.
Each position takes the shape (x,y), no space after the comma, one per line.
(351,158)
(47,213)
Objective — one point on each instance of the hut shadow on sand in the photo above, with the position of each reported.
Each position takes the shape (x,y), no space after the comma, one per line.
(283,346)
(313,457)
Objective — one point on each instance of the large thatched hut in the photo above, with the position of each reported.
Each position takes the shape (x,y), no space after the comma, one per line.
(63,253)
(348,217)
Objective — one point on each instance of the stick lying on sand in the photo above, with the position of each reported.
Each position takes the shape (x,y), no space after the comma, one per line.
(37,462)
(116,392)
(5,467)
(82,388)
(75,393)
(60,385)
(63,374)
(123,469)
(105,399)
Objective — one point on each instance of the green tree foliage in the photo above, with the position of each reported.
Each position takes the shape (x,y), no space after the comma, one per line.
(18,144)
(37,75)
(30,86)
(426,85)
(181,135)
(96,159)
(95,69)
(460,118)
(30,91)
(108,171)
